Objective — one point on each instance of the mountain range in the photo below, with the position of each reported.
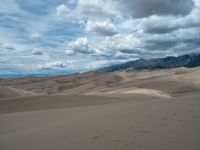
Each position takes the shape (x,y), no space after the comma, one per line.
(188,61)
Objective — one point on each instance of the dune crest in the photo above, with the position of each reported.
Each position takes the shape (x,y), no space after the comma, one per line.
(149,92)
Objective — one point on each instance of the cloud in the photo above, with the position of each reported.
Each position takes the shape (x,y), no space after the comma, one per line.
(119,55)
(72,1)
(178,41)
(81,10)
(36,36)
(80,45)
(54,65)
(8,46)
(91,9)
(38,7)
(37,52)
(125,43)
(74,65)
(62,10)
(197,2)
(103,28)
(160,25)
(145,8)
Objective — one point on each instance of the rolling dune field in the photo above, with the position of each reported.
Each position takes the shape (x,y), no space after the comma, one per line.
(145,110)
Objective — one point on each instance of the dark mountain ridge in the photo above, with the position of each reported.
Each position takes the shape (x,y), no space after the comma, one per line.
(188,61)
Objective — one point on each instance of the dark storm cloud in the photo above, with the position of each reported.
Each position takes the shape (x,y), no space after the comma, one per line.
(161,25)
(178,41)
(37,52)
(160,45)
(145,8)
(130,51)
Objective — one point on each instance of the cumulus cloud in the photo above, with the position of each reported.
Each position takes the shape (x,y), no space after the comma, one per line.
(125,43)
(62,10)
(80,45)
(90,9)
(145,8)
(54,65)
(104,28)
(97,9)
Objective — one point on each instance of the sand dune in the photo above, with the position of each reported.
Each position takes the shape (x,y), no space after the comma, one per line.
(110,91)
(173,82)
(32,103)
(8,92)
(146,110)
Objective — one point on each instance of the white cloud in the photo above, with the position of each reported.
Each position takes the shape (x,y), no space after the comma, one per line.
(80,45)
(72,1)
(125,43)
(197,2)
(89,10)
(69,51)
(120,55)
(86,65)
(8,46)
(54,65)
(62,10)
(127,24)
(103,28)
(36,36)
(97,9)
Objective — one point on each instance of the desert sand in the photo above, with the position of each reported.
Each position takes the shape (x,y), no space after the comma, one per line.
(145,110)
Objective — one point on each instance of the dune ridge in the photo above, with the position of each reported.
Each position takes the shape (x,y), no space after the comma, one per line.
(170,81)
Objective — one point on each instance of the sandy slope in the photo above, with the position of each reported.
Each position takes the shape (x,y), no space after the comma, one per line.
(152,124)
(158,110)
(173,82)
(8,92)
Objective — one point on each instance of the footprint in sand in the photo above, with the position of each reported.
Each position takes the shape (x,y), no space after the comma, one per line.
(172,140)
(96,137)
(128,144)
(164,118)
(175,114)
(144,131)
(117,141)
(163,125)
(192,111)
(132,126)
(194,116)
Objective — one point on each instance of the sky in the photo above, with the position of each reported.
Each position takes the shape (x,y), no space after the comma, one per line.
(66,36)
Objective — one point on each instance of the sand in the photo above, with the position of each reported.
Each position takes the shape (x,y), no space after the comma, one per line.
(158,110)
